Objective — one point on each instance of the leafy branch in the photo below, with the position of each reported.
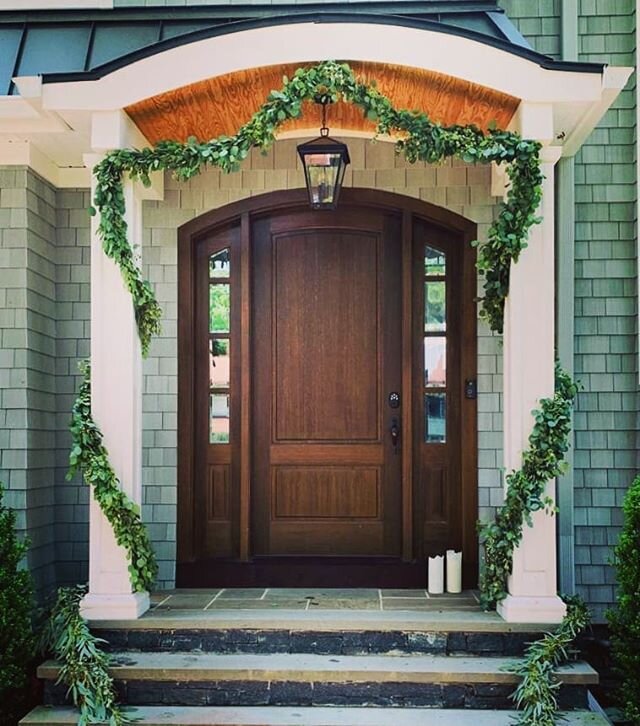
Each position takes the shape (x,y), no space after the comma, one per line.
(536,694)
(543,461)
(84,664)
(89,455)
(420,140)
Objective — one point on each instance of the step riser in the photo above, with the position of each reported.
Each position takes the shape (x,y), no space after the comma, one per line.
(322,643)
(286,693)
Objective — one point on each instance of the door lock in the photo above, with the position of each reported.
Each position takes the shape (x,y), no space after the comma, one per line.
(394,399)
(395,433)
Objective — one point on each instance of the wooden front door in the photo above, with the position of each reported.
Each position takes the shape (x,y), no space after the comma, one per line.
(326,356)
(327,427)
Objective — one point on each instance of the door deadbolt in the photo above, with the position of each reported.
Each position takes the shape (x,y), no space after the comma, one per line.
(394,399)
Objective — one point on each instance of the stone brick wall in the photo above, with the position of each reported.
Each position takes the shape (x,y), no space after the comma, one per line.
(465,190)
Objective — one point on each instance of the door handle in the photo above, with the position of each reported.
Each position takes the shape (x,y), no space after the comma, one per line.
(395,434)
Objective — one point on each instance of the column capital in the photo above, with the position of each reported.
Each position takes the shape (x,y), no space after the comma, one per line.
(550,154)
(115,130)
(534,121)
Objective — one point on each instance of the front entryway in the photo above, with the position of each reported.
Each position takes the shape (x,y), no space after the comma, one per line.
(326,402)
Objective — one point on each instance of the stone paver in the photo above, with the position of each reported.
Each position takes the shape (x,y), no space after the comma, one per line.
(451,621)
(321,668)
(316,716)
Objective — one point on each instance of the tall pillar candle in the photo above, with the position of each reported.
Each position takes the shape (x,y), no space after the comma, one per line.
(435,583)
(454,571)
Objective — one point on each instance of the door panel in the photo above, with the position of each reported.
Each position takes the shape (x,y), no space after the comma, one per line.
(327,337)
(325,313)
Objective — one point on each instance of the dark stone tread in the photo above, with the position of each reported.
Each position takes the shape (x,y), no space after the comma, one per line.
(288,693)
(320,643)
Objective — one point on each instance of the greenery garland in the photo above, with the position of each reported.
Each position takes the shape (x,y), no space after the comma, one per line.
(84,665)
(535,696)
(420,140)
(89,455)
(525,490)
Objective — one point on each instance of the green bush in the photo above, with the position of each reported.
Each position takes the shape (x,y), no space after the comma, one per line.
(624,620)
(17,638)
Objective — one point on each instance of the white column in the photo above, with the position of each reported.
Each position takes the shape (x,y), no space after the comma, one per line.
(116,389)
(529,352)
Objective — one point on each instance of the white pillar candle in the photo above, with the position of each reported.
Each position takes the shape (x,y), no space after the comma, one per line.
(454,571)
(436,575)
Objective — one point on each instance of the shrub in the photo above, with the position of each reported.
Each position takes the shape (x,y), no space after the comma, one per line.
(17,638)
(624,620)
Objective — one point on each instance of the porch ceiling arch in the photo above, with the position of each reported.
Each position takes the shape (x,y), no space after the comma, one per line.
(221,105)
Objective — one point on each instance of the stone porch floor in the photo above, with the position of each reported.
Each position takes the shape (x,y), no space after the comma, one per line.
(309,599)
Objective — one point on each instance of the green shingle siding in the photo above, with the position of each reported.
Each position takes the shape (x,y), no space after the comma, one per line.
(606,324)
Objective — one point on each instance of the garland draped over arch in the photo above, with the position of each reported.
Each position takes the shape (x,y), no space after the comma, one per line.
(419,139)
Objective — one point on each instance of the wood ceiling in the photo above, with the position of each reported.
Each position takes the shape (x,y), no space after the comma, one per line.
(221,105)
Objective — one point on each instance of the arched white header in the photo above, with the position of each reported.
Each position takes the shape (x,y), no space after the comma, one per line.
(453,55)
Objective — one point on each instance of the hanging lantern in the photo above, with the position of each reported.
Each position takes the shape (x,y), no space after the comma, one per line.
(324,161)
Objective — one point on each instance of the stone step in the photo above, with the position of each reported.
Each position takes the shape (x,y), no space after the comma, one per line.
(336,632)
(282,716)
(200,679)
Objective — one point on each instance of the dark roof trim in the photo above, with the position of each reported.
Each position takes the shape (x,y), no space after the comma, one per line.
(246,10)
(348,17)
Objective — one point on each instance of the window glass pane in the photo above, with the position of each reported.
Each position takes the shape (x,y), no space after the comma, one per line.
(435,361)
(435,418)
(219,308)
(435,297)
(219,364)
(220,264)
(219,418)
(434,261)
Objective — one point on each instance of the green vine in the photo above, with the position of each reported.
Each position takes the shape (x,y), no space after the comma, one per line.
(535,696)
(84,664)
(543,461)
(89,455)
(420,139)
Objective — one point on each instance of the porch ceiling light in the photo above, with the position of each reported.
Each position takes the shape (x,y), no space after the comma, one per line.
(324,161)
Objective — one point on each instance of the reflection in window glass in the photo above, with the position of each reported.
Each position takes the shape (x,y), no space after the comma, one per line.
(434,261)
(435,361)
(435,298)
(219,418)
(219,368)
(435,418)
(219,308)
(220,264)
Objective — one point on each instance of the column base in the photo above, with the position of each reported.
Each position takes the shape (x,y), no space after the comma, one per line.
(128,606)
(516,609)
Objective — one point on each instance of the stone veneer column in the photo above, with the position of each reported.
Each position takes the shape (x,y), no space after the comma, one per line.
(529,354)
(116,384)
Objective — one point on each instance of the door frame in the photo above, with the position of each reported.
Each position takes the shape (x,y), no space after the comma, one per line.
(241,212)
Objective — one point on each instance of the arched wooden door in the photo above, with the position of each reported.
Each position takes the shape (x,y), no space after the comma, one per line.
(327,423)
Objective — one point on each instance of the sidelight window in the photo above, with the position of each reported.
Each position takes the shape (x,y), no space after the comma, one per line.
(219,346)
(435,346)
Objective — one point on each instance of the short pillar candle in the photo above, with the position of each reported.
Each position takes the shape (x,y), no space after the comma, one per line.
(435,583)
